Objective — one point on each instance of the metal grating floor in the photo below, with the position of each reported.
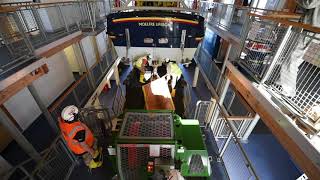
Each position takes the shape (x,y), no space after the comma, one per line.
(147,126)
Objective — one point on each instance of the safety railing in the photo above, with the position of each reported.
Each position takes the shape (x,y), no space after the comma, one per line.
(99,121)
(28,26)
(188,105)
(234,18)
(232,152)
(57,162)
(283,56)
(15,46)
(172,5)
(79,92)
(260,45)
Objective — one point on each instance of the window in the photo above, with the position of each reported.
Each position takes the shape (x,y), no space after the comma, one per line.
(163,41)
(148,40)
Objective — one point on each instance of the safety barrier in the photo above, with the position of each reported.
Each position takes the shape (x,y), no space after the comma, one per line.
(188,105)
(283,57)
(28,26)
(57,163)
(235,18)
(80,91)
(232,153)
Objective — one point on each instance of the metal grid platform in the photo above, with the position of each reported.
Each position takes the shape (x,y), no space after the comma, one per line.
(147,126)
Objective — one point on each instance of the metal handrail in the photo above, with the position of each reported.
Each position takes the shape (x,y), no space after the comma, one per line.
(238,142)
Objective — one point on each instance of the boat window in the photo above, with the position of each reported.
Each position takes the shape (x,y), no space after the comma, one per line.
(163,41)
(148,40)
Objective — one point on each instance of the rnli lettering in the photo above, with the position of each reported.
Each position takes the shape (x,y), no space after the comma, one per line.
(153,23)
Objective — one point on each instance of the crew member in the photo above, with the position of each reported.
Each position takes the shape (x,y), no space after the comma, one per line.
(174,72)
(79,137)
(141,64)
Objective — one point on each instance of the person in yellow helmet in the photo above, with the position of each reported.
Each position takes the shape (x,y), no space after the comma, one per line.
(141,64)
(174,71)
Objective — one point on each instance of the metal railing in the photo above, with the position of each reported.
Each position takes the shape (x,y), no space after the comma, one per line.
(57,163)
(234,18)
(232,153)
(260,45)
(81,90)
(295,75)
(28,26)
(283,57)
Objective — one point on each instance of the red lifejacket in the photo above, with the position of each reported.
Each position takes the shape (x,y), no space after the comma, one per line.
(69,130)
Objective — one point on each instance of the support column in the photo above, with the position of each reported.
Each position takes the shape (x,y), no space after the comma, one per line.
(19,137)
(195,77)
(250,128)
(226,58)
(43,108)
(116,75)
(91,79)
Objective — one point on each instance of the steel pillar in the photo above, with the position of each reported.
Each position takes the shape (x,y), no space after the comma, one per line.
(19,137)
(226,58)
(250,128)
(195,77)
(43,108)
(91,79)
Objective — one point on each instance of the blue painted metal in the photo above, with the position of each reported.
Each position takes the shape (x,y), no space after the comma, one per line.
(154,29)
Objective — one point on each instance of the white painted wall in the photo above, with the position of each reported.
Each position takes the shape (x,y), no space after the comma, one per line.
(89,53)
(23,107)
(101,40)
(51,85)
(72,59)
(157,53)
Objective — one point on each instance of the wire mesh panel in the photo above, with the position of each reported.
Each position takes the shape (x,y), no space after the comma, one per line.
(235,163)
(147,126)
(98,120)
(119,101)
(14,46)
(57,164)
(202,112)
(131,161)
(296,74)
(188,105)
(260,46)
(97,74)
